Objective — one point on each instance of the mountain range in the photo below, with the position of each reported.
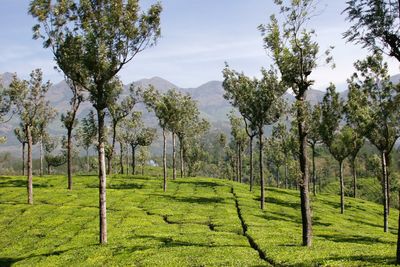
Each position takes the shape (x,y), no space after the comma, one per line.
(209,97)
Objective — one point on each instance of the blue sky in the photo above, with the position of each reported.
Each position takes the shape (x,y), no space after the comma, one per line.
(198,36)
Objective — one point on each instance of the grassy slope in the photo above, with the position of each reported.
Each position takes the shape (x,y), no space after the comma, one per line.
(195,223)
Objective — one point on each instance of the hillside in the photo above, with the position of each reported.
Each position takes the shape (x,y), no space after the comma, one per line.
(209,97)
(198,222)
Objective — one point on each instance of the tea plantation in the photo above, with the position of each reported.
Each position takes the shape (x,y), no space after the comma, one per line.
(197,222)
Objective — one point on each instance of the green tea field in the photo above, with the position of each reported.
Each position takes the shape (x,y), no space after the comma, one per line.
(197,222)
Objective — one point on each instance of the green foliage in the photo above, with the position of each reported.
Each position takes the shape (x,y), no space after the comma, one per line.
(87,132)
(373,102)
(374,25)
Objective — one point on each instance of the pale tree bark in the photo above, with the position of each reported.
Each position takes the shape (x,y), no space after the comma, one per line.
(102,178)
(121,157)
(181,156)
(261,145)
(240,164)
(41,156)
(341,180)
(173,156)
(314,174)
(69,157)
(23,158)
(87,160)
(164,161)
(109,167)
(354,174)
(385,192)
(398,228)
(286,174)
(303,184)
(251,162)
(133,148)
(29,164)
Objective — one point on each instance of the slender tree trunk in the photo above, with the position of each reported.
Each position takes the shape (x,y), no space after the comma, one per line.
(181,157)
(29,164)
(173,156)
(398,232)
(341,180)
(87,160)
(240,163)
(41,156)
(384,190)
(314,175)
(48,169)
(127,159)
(142,169)
(286,173)
(251,163)
(133,147)
(354,174)
(23,158)
(387,160)
(277,177)
(164,161)
(69,157)
(303,184)
(102,178)
(121,157)
(237,163)
(261,144)
(109,168)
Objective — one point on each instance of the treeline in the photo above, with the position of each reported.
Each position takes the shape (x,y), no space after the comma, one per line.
(92,42)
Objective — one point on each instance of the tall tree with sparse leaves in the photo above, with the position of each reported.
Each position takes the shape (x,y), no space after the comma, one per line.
(295,52)
(28,99)
(373,108)
(100,38)
(262,104)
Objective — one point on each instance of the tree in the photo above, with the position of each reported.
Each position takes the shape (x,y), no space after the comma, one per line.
(259,100)
(237,97)
(294,51)
(21,136)
(69,121)
(373,108)
(28,99)
(375,25)
(118,112)
(164,107)
(41,128)
(144,156)
(313,137)
(185,126)
(280,133)
(50,144)
(275,156)
(86,135)
(99,38)
(337,139)
(133,133)
(239,136)
(193,151)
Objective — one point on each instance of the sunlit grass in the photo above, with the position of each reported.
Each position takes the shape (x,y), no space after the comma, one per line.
(195,223)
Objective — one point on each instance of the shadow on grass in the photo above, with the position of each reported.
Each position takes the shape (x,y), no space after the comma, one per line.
(357,239)
(21,183)
(193,199)
(125,186)
(289,204)
(169,242)
(374,259)
(199,183)
(7,261)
